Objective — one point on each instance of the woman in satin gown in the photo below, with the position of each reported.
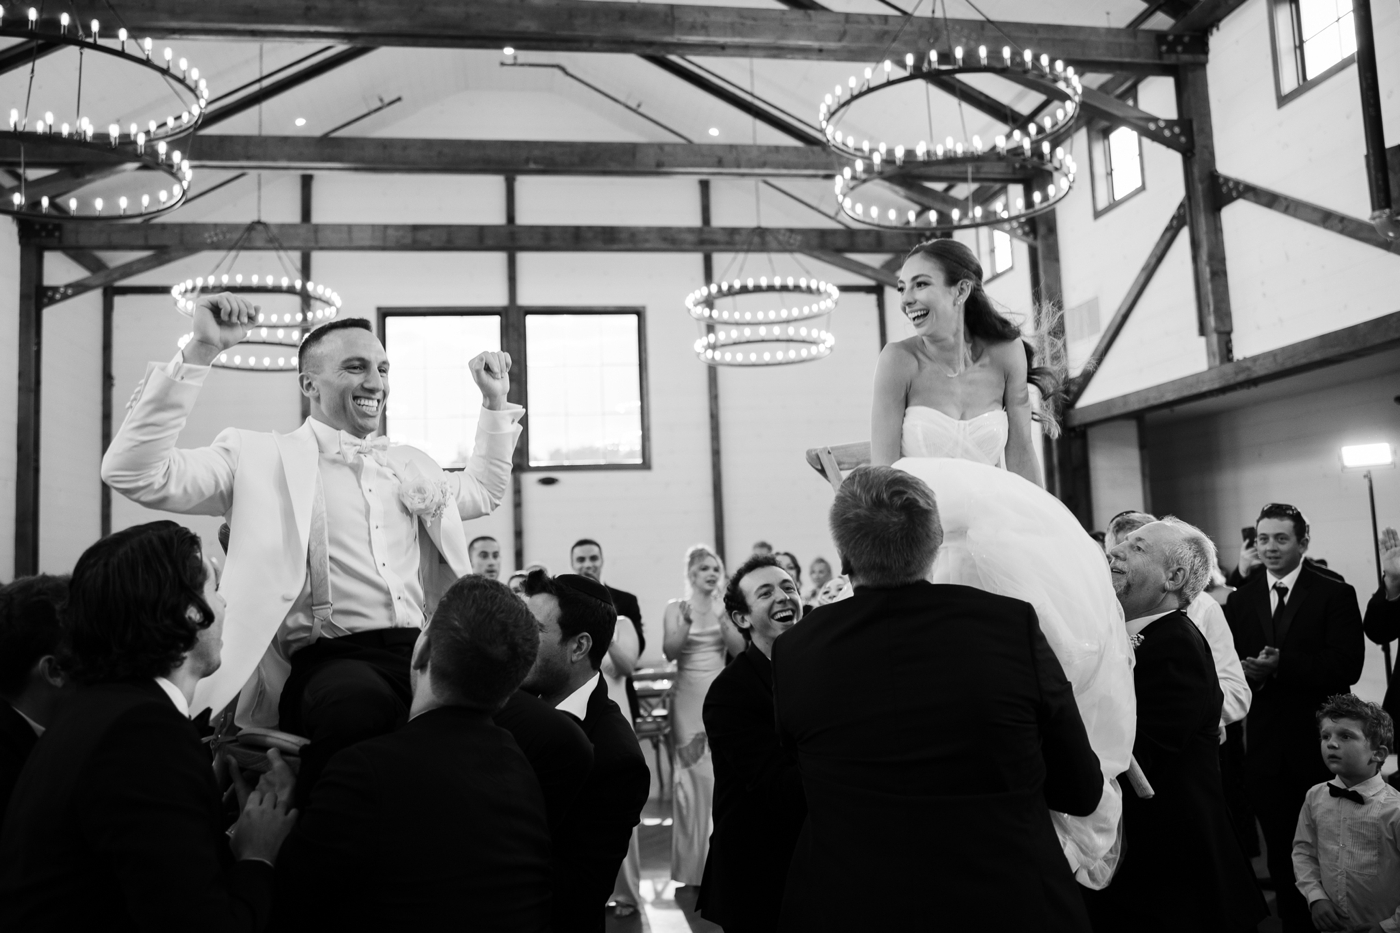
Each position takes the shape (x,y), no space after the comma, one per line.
(953,406)
(696,635)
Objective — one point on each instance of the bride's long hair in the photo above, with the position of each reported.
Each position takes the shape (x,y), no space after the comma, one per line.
(982,320)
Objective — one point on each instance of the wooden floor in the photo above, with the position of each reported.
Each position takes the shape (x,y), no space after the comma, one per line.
(667,907)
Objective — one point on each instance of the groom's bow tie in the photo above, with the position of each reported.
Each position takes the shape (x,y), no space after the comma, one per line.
(1345,794)
(374,447)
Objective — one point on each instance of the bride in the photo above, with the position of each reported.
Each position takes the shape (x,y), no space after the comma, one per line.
(953,407)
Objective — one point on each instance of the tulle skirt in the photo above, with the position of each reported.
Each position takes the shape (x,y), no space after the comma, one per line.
(1005,535)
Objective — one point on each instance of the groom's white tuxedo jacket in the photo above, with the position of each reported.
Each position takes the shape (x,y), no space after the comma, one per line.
(264,484)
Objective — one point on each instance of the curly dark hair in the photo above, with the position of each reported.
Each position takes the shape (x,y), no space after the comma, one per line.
(481,643)
(734,598)
(1376,723)
(986,323)
(135,604)
(29,628)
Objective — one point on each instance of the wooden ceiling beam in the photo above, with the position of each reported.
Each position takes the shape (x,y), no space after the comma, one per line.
(463,238)
(531,157)
(643,29)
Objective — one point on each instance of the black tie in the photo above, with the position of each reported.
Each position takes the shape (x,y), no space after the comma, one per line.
(1278,612)
(1345,794)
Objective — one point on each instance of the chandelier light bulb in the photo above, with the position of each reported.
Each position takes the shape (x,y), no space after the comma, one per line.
(957,55)
(94,30)
(72,205)
(933,57)
(121,203)
(909,61)
(121,35)
(1029,56)
(147,45)
(44,204)
(982,54)
(18,199)
(14,118)
(1006,55)
(63,22)
(33,16)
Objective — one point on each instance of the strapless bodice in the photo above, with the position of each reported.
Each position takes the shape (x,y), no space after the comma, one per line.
(929,432)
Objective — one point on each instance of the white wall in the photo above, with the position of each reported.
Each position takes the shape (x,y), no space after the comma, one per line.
(1115,470)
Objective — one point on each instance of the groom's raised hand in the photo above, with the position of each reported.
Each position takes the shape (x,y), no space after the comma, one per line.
(491,373)
(220,321)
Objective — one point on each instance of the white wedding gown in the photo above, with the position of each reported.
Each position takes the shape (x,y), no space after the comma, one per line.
(1008,536)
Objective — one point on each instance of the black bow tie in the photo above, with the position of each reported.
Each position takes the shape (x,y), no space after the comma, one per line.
(1345,794)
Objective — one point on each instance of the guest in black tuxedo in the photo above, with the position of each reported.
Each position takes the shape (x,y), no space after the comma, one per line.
(586,557)
(1382,619)
(115,823)
(759,805)
(1182,867)
(1299,636)
(559,753)
(934,730)
(440,825)
(576,622)
(32,685)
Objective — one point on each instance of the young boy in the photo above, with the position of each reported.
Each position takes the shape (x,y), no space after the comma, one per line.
(1346,852)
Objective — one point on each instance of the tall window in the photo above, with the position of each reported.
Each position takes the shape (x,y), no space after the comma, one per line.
(584,375)
(585,389)
(1115,163)
(994,251)
(1313,39)
(433,401)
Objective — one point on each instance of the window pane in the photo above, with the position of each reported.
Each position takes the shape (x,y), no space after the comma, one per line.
(1316,15)
(585,389)
(433,402)
(1125,166)
(1329,34)
(1001,251)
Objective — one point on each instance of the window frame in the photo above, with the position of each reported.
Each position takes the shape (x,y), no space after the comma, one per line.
(1098,133)
(1294,53)
(515,316)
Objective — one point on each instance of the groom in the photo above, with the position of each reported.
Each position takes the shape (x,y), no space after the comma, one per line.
(934,731)
(335,536)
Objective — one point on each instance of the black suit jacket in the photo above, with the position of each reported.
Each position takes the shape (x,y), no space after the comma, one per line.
(935,730)
(1382,626)
(595,837)
(17,740)
(559,753)
(759,805)
(115,825)
(1321,654)
(440,825)
(1182,867)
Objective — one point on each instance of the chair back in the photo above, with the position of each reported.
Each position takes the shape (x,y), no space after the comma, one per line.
(837,459)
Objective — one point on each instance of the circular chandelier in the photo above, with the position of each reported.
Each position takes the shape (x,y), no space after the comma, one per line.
(272,344)
(772,336)
(1035,149)
(155,176)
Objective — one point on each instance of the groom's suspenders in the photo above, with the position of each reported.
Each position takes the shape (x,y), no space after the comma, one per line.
(318,560)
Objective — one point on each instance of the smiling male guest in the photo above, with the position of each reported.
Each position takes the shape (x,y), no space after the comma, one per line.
(759,804)
(485,554)
(337,533)
(1299,636)
(1182,868)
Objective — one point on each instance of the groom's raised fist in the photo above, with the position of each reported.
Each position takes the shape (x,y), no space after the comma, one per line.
(491,373)
(220,321)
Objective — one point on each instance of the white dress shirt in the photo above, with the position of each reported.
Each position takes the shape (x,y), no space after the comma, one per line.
(175,695)
(1136,626)
(38,729)
(576,703)
(1209,617)
(1290,581)
(373,544)
(1349,853)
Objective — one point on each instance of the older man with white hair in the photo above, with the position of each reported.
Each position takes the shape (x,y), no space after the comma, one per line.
(1184,869)
(1209,617)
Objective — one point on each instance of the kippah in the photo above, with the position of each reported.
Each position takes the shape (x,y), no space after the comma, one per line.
(586,586)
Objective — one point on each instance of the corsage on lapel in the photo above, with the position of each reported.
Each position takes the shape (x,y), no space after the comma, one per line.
(1135,640)
(422,495)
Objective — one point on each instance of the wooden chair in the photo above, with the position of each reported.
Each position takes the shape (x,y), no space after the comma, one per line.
(653,724)
(833,461)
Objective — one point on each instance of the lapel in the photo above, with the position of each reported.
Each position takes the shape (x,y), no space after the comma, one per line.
(299,455)
(446,536)
(1301,586)
(761,667)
